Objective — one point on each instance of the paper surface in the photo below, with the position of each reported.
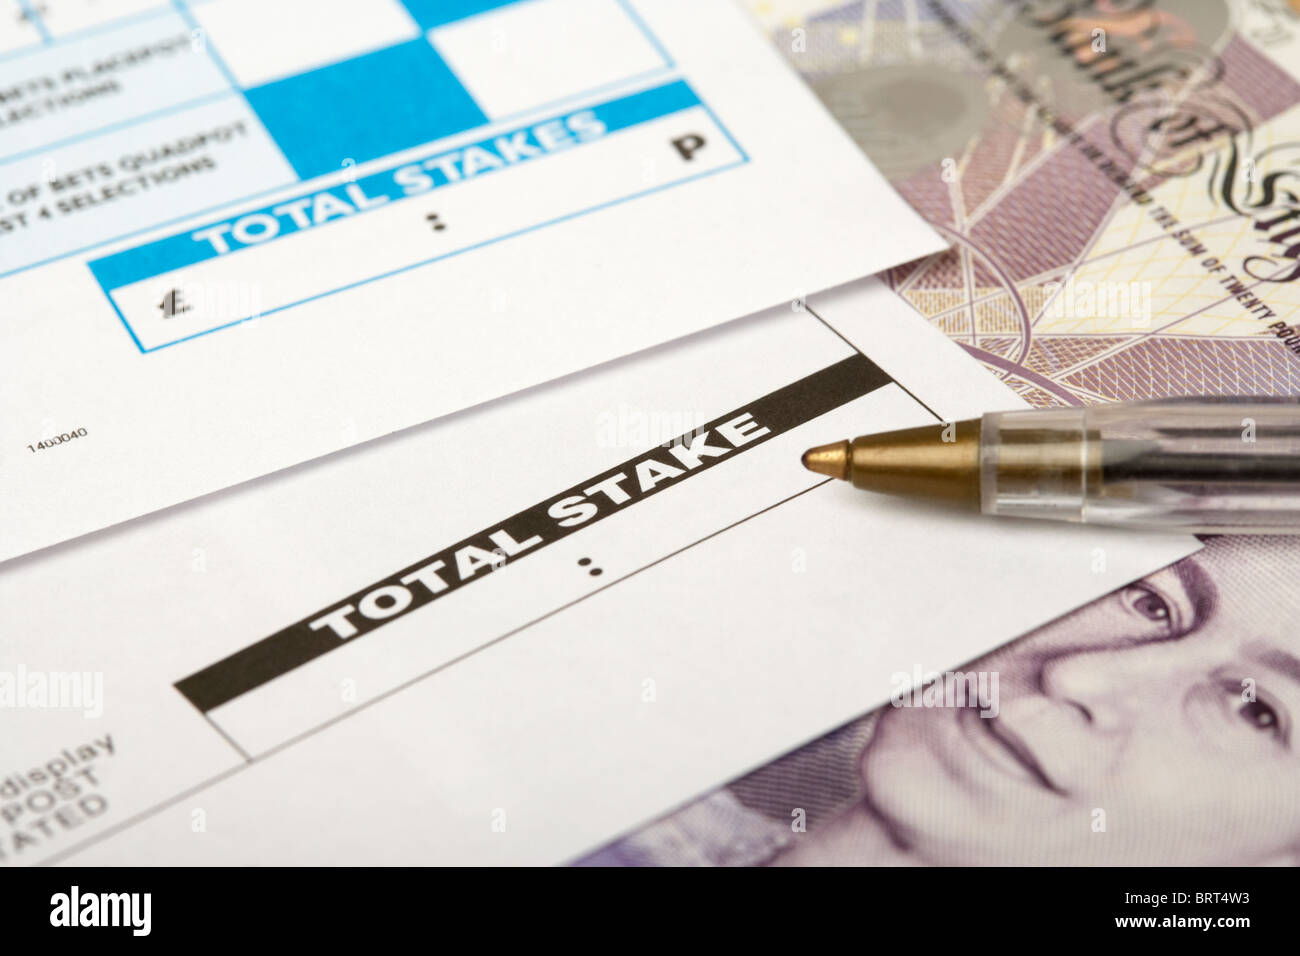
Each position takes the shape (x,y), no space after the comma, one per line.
(514,634)
(238,235)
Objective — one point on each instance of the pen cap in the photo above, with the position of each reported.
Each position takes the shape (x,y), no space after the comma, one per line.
(1228,465)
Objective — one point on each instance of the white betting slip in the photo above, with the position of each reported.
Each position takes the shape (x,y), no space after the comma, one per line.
(238,235)
(515,634)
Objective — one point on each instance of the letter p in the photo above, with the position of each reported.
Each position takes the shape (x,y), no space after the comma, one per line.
(688,145)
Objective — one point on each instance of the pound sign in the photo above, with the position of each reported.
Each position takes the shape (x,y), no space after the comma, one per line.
(172,304)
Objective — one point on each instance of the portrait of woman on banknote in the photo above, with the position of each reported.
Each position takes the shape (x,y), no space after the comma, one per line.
(1154,726)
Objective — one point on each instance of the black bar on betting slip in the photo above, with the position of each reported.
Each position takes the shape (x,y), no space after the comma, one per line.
(777,412)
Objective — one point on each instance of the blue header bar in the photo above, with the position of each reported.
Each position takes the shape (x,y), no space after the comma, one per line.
(319,207)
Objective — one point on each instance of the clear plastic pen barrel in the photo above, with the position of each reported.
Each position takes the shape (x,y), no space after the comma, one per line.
(1226,465)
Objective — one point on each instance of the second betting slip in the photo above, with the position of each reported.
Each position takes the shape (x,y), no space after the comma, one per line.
(384,658)
(360,217)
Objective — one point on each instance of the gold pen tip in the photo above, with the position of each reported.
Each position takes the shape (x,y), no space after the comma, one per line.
(832,459)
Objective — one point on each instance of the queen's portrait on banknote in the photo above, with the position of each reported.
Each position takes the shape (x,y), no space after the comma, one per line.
(1153,726)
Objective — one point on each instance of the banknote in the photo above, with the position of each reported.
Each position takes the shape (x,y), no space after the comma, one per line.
(1117,180)
(1120,184)
(1153,726)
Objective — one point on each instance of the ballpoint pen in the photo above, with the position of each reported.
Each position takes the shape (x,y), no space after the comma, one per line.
(1225,465)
